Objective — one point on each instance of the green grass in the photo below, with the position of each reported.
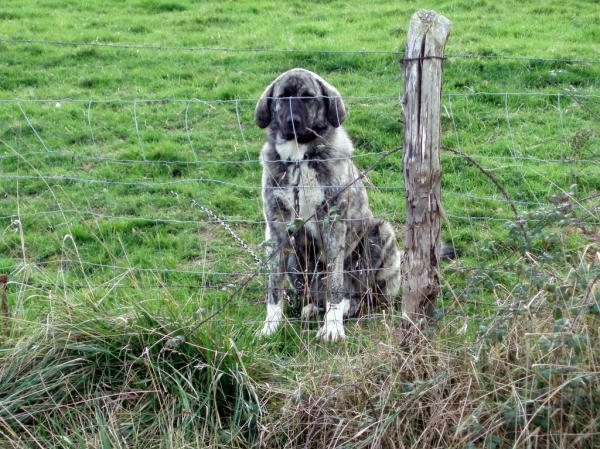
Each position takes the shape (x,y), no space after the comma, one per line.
(106,147)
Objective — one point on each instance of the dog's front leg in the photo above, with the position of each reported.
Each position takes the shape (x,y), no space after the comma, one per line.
(338,303)
(277,234)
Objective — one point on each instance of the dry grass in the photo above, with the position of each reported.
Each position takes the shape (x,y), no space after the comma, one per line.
(528,379)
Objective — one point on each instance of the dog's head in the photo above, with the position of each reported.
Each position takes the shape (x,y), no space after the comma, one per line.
(299,105)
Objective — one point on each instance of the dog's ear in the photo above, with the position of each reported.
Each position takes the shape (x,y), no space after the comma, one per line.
(336,112)
(262,113)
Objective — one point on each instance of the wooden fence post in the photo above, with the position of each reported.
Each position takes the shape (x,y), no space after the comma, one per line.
(4,300)
(422,68)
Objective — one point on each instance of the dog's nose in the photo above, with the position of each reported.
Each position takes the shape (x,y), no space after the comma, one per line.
(294,122)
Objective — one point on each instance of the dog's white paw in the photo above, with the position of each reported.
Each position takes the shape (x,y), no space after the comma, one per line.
(332,331)
(274,317)
(308,312)
(269,328)
(333,327)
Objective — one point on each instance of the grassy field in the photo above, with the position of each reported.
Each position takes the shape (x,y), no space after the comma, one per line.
(120,118)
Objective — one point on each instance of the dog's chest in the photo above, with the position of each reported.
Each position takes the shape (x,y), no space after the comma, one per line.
(304,191)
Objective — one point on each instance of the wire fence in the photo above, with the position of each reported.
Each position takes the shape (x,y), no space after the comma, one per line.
(99,189)
(272,50)
(70,152)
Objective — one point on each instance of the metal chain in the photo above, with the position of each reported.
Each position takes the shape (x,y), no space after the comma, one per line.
(294,308)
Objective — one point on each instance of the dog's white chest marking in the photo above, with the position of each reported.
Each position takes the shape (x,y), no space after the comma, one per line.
(310,193)
(303,192)
(291,150)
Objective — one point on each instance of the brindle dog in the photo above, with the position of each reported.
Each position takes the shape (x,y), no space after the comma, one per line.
(340,257)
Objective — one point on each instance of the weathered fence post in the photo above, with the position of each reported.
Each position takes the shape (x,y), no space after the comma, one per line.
(422,68)
(4,300)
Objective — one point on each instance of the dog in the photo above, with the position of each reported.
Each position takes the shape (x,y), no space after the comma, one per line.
(320,233)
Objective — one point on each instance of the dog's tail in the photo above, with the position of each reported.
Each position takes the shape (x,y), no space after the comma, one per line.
(448,252)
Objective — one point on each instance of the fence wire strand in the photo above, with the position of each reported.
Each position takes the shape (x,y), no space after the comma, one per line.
(395,54)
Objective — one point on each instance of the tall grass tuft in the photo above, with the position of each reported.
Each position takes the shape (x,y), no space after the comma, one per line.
(532,383)
(108,376)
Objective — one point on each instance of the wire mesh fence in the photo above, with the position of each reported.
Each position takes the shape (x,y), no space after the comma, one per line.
(100,188)
(104,194)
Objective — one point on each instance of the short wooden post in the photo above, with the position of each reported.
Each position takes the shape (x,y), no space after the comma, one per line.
(4,300)
(422,68)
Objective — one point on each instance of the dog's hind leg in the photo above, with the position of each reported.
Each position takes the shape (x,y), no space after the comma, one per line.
(386,258)
(375,265)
